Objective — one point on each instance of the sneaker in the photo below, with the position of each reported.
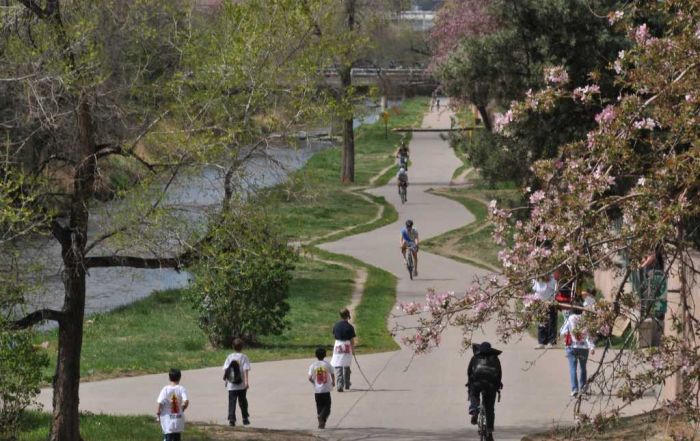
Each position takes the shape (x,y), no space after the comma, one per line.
(246,421)
(550,345)
(475,416)
(539,346)
(232,423)
(415,273)
(340,390)
(321,423)
(574,393)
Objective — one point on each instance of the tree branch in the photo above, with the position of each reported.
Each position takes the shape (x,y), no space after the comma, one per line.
(38,317)
(175,263)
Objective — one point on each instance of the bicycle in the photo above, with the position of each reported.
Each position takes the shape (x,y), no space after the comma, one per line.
(403,189)
(484,433)
(409,259)
(403,162)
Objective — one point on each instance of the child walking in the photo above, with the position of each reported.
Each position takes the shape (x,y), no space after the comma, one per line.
(172,402)
(322,377)
(236,379)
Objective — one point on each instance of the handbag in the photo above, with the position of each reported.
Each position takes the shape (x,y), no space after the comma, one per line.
(568,339)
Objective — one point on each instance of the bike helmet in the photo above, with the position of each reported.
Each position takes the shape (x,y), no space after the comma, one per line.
(402,170)
(409,223)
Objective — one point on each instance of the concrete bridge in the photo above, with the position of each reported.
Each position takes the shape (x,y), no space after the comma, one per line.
(383,77)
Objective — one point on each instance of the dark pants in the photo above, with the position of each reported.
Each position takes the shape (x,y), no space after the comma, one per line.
(172,437)
(547,333)
(323,405)
(239,395)
(489,394)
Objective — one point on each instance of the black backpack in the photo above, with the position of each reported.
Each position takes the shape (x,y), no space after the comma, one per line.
(486,369)
(232,374)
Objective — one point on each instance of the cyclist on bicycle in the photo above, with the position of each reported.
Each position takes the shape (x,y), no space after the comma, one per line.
(484,378)
(402,179)
(409,239)
(402,155)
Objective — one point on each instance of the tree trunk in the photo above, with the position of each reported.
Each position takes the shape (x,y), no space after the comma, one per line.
(348,176)
(65,425)
(348,166)
(485,117)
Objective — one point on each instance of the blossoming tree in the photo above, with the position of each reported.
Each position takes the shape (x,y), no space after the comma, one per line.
(630,187)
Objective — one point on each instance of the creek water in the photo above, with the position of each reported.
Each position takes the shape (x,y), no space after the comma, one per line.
(109,288)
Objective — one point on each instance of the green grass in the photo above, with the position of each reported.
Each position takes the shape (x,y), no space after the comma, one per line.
(35,427)
(314,203)
(471,243)
(136,339)
(373,311)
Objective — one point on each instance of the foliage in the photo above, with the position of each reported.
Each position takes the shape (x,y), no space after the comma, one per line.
(21,368)
(628,188)
(499,63)
(241,283)
(168,90)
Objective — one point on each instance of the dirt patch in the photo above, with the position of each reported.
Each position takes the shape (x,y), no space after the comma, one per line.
(654,426)
(224,433)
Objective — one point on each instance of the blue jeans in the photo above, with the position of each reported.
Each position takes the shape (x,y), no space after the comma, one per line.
(577,356)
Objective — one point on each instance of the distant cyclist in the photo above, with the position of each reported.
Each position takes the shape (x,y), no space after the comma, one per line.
(402,155)
(402,180)
(409,239)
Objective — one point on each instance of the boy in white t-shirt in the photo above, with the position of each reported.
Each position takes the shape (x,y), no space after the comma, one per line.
(237,381)
(172,402)
(322,377)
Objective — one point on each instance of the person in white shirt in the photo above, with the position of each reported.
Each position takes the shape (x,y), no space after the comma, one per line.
(544,288)
(322,377)
(236,378)
(578,346)
(172,402)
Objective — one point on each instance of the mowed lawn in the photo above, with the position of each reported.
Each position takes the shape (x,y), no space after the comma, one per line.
(161,331)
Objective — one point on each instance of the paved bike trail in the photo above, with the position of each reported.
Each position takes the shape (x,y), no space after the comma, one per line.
(412,398)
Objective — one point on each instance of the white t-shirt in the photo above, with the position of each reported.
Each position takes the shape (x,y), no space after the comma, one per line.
(320,372)
(342,353)
(244,363)
(171,400)
(545,290)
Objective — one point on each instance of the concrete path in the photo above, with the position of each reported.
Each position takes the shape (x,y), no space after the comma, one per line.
(413,398)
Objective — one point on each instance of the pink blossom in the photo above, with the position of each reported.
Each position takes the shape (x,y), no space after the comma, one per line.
(646,123)
(641,34)
(614,17)
(585,94)
(606,115)
(590,137)
(501,120)
(618,63)
(556,75)
(536,197)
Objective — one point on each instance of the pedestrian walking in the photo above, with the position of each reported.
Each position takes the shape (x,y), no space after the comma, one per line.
(172,402)
(545,288)
(343,350)
(322,377)
(578,346)
(237,380)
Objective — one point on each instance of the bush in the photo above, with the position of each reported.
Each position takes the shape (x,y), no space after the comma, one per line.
(21,365)
(241,283)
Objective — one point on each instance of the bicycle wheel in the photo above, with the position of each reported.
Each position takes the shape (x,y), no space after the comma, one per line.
(481,424)
(409,264)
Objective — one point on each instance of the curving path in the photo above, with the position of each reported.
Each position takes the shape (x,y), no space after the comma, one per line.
(421,398)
